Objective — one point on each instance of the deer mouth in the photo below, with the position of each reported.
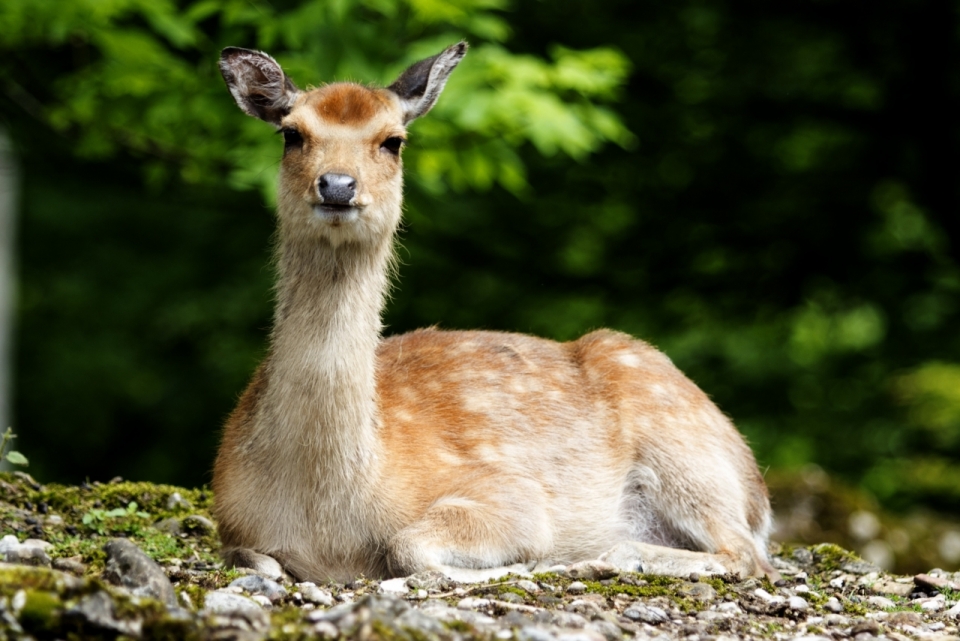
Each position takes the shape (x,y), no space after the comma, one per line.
(336,215)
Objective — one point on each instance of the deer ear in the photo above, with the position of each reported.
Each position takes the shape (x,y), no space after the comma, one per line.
(258,84)
(420,85)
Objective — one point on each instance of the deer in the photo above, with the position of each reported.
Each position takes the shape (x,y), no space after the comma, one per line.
(462,452)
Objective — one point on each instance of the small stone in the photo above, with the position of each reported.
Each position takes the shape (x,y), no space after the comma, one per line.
(528,586)
(933,605)
(38,543)
(196,524)
(833,605)
(128,566)
(186,601)
(729,606)
(895,588)
(646,613)
(95,612)
(935,582)
(171,526)
(313,594)
(511,597)
(71,564)
(576,588)
(837,583)
(859,567)
(422,594)
(473,603)
(881,602)
(262,600)
(257,585)
(222,602)
(953,613)
(175,502)
(868,626)
(803,556)
(394,586)
(698,591)
(798,604)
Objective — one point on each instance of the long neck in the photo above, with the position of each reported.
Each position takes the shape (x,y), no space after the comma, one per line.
(322,390)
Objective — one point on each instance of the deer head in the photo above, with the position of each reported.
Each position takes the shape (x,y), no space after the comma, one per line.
(341,173)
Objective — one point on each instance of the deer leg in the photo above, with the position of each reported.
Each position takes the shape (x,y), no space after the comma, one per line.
(468,540)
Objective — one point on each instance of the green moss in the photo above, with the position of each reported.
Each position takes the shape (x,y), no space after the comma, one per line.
(41,612)
(830,557)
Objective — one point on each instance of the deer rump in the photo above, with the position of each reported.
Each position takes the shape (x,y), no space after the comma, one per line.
(462,452)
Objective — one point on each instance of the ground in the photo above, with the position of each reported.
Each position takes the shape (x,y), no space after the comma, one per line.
(66,576)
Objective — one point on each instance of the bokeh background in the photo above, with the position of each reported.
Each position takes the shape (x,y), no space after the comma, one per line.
(769,192)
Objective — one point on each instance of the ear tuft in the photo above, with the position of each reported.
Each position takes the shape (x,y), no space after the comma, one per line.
(420,85)
(258,84)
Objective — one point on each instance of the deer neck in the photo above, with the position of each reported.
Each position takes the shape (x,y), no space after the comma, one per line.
(322,391)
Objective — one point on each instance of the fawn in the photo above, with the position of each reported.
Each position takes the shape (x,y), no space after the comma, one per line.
(458,451)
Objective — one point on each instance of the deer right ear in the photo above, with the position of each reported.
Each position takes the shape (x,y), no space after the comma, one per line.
(258,84)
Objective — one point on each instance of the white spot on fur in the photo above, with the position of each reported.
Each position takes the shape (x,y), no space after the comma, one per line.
(628,359)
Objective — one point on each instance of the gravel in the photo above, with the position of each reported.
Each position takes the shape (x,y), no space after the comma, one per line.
(103,587)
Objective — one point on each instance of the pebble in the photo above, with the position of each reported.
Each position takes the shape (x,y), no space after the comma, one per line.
(881,602)
(395,586)
(313,594)
(529,586)
(223,602)
(257,585)
(833,605)
(954,612)
(797,603)
(592,571)
(576,588)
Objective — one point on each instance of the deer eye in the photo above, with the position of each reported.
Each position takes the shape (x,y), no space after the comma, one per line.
(291,138)
(393,145)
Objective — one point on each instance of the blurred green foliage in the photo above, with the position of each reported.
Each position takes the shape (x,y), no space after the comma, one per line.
(765,191)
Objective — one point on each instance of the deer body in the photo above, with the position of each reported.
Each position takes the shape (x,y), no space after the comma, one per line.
(456,451)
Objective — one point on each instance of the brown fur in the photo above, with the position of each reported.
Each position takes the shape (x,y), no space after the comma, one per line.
(455,451)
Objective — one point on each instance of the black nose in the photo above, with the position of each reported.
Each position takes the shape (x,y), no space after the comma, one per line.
(337,189)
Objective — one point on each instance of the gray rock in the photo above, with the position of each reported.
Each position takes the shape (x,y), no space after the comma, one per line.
(175,502)
(313,594)
(576,588)
(953,613)
(128,566)
(833,605)
(171,526)
(220,602)
(798,604)
(881,602)
(96,613)
(196,524)
(699,591)
(256,584)
(533,633)
(27,555)
(71,564)
(859,567)
(646,613)
(529,587)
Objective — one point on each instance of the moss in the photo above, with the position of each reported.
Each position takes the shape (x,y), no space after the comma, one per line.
(41,612)
(830,557)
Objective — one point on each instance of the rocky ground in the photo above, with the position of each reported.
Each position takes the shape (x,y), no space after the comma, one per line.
(137,560)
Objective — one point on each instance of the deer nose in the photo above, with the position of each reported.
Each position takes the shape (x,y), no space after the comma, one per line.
(337,189)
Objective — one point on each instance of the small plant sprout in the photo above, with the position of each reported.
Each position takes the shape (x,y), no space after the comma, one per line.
(14,457)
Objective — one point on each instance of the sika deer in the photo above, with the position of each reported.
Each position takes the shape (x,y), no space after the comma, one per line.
(350,454)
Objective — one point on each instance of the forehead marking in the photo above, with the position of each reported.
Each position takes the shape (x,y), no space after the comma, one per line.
(347,103)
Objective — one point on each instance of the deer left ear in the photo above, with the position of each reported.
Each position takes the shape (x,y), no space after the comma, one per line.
(420,85)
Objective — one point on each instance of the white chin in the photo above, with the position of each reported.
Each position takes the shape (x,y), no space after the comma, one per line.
(336,216)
